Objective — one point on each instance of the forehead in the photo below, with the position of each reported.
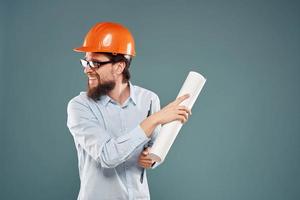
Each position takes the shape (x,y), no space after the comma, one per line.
(96,56)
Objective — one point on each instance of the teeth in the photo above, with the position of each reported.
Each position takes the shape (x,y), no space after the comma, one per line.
(92,77)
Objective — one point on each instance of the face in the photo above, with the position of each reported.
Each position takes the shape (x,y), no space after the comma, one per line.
(101,80)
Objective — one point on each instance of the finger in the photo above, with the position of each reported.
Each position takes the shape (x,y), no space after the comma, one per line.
(182,118)
(145,159)
(146,163)
(183,113)
(181,98)
(142,162)
(186,109)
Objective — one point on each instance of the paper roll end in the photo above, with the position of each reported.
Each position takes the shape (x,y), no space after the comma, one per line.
(200,76)
(155,157)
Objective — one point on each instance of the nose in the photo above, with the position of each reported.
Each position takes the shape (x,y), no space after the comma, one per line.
(88,69)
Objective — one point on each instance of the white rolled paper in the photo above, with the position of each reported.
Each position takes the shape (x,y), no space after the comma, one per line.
(192,85)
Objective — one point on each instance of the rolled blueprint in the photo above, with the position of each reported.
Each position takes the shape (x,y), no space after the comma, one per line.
(192,85)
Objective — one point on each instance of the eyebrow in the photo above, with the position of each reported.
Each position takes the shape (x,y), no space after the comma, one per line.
(93,60)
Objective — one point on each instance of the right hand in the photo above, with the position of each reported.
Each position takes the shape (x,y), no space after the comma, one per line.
(173,111)
(144,159)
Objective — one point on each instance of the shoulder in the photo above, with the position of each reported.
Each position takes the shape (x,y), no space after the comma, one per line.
(144,96)
(145,93)
(80,100)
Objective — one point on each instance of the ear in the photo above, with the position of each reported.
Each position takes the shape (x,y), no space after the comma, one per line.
(119,67)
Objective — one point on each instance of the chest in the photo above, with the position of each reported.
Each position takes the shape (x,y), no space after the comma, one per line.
(120,120)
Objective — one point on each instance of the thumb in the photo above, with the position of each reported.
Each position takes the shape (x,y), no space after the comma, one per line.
(145,152)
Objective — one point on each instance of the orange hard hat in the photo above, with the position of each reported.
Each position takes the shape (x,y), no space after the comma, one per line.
(108,37)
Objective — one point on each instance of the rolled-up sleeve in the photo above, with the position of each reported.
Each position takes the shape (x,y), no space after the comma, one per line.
(96,141)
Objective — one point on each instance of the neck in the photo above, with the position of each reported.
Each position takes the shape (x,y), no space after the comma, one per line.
(120,93)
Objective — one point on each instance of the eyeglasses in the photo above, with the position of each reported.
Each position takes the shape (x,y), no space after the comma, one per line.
(93,64)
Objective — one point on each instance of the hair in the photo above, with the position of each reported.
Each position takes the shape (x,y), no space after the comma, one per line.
(121,58)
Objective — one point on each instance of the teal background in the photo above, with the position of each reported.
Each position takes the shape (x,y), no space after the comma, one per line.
(242,141)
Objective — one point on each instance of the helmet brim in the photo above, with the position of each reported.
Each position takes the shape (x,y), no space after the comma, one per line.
(90,49)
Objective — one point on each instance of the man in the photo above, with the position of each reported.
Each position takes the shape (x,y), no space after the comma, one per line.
(114,121)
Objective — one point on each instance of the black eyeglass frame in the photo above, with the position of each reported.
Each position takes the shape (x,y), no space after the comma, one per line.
(93,64)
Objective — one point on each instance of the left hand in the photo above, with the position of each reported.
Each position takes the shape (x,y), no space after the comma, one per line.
(144,160)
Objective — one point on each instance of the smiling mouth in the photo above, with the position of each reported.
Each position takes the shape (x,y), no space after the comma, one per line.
(92,77)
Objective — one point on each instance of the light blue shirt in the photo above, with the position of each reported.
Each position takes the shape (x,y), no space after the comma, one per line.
(109,140)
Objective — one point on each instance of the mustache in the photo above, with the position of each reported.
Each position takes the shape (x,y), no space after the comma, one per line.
(93,74)
(90,73)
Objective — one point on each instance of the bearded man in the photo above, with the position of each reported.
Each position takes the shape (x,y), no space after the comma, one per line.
(114,122)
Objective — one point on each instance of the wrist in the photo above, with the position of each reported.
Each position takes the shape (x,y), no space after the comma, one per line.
(155,119)
(149,124)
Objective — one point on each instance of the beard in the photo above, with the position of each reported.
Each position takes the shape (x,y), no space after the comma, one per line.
(103,88)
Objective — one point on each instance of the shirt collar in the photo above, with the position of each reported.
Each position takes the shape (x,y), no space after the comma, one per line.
(105,99)
(132,93)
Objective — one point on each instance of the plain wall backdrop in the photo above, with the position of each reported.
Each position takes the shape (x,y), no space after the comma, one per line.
(242,141)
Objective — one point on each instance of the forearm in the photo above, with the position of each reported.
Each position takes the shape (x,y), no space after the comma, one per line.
(117,150)
(149,124)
